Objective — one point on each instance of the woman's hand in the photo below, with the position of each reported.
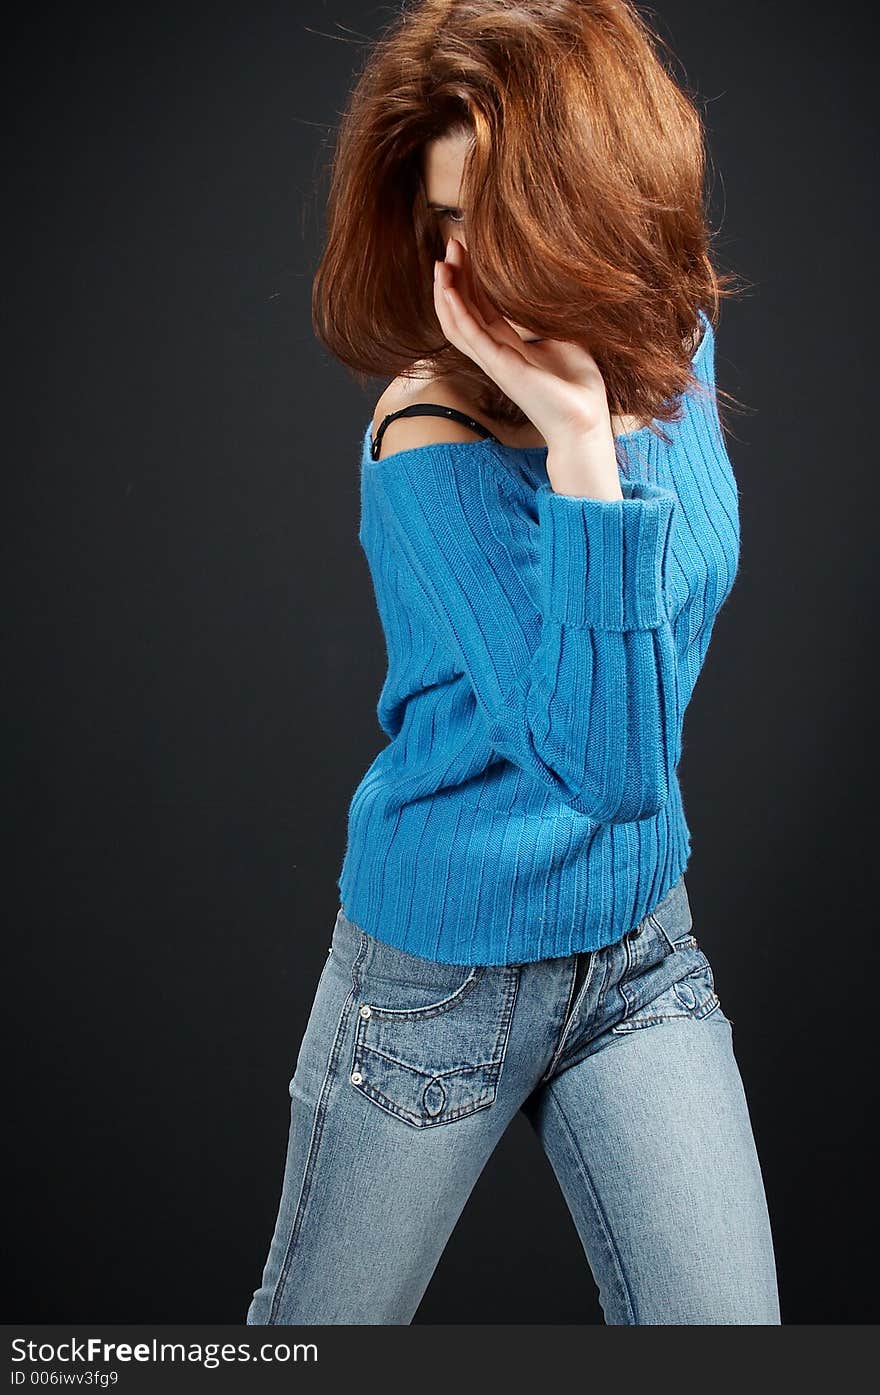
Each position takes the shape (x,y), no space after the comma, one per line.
(556,383)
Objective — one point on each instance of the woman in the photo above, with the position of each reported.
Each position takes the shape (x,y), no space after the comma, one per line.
(550,519)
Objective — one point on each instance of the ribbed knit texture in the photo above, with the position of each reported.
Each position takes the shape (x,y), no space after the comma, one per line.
(542,650)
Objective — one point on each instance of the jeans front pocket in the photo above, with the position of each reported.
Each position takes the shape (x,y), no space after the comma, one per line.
(691,994)
(430,1039)
(665,972)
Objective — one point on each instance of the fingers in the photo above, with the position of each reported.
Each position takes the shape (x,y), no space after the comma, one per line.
(494,348)
(461,329)
(462,280)
(458,263)
(461,320)
(573,357)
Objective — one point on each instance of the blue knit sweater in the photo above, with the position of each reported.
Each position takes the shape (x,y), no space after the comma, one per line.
(542,650)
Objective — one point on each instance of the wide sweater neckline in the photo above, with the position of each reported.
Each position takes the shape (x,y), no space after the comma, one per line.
(479,444)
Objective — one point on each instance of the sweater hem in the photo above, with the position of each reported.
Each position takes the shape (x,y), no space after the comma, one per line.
(447,901)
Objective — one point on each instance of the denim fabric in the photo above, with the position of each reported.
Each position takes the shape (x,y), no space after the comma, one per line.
(622,1060)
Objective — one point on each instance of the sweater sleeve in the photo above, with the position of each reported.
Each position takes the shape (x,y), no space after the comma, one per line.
(562,629)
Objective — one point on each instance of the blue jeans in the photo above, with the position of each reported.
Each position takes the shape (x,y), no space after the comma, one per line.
(622,1060)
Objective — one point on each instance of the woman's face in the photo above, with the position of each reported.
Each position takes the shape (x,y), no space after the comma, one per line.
(441,172)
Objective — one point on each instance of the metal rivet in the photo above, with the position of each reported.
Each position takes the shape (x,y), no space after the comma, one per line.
(356,1077)
(366,1011)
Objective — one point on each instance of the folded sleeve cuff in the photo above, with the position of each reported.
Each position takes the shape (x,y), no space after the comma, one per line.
(604,561)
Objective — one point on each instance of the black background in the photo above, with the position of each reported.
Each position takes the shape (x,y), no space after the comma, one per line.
(193,658)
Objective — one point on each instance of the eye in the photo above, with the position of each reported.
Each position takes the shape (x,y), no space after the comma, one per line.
(454,215)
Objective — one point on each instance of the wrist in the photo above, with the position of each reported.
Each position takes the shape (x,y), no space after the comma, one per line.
(585,463)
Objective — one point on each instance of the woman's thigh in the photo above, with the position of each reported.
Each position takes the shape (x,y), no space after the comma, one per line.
(646,1124)
(394,1111)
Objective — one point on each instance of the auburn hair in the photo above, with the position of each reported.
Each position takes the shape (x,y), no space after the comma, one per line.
(583,183)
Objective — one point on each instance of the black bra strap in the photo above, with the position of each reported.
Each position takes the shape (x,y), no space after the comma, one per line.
(428,409)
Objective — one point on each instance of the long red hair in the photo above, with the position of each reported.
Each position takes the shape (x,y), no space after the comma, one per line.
(583,183)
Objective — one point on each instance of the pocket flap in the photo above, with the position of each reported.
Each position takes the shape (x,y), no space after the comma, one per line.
(423,1097)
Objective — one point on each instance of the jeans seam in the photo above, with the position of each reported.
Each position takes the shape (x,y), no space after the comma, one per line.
(314,1141)
(512,976)
(592,1194)
(570,1006)
(563,1027)
(658,925)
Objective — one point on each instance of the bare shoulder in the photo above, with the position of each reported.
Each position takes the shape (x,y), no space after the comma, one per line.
(409,433)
